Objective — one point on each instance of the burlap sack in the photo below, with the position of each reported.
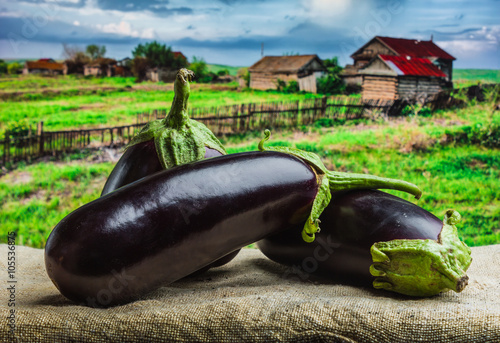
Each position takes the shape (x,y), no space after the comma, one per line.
(250,300)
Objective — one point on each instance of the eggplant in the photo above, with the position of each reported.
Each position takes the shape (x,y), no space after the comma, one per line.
(168,225)
(165,143)
(372,237)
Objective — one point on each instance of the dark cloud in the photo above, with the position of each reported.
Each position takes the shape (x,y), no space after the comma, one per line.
(449,35)
(78,4)
(159,7)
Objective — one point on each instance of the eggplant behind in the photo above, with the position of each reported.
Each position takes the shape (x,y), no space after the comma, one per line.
(351,227)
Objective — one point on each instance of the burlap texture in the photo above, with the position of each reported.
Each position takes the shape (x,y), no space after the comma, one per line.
(251,300)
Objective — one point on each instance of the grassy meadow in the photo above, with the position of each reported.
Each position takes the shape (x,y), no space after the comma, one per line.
(452,154)
(80,102)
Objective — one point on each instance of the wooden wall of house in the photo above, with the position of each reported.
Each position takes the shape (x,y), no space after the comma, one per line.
(308,83)
(379,87)
(446,66)
(420,88)
(268,80)
(370,51)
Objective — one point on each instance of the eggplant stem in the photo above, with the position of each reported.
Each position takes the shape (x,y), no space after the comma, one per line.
(332,181)
(178,116)
(177,138)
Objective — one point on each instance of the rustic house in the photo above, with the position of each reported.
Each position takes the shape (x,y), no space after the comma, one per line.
(388,77)
(164,74)
(46,66)
(123,67)
(100,67)
(304,69)
(372,60)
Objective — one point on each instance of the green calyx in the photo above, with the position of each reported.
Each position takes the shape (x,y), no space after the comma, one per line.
(423,267)
(332,181)
(179,139)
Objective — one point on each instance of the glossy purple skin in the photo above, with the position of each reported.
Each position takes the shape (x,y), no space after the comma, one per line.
(350,225)
(138,161)
(177,221)
(141,160)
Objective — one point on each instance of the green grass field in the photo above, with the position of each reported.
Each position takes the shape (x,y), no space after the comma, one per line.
(78,102)
(466,77)
(462,174)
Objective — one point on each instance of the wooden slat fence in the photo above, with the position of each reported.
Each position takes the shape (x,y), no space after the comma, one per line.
(15,149)
(221,120)
(233,119)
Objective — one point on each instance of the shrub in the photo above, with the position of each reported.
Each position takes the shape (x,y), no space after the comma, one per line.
(331,83)
(290,87)
(14,68)
(244,74)
(487,135)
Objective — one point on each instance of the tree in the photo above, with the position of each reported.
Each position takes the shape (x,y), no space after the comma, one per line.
(3,67)
(96,51)
(159,56)
(199,67)
(140,66)
(75,58)
(331,83)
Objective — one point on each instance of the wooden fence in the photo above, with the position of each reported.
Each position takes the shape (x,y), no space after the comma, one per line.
(222,120)
(47,143)
(234,119)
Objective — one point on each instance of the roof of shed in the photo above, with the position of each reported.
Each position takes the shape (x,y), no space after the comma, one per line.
(44,65)
(412,66)
(415,47)
(411,47)
(284,64)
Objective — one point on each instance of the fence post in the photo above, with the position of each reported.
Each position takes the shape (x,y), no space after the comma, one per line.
(6,147)
(40,135)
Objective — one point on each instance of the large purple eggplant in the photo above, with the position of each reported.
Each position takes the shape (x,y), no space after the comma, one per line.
(165,143)
(368,236)
(177,221)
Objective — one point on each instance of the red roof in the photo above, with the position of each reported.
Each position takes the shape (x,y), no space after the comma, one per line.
(415,66)
(415,48)
(46,60)
(178,54)
(44,65)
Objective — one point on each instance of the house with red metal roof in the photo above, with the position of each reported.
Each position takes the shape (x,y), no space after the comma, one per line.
(398,68)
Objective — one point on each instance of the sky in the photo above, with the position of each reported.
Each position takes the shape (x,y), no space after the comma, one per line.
(238,32)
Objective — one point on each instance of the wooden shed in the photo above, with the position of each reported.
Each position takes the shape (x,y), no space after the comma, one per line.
(389,77)
(304,69)
(46,66)
(100,67)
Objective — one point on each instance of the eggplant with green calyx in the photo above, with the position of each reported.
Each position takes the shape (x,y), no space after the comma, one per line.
(165,143)
(371,237)
(175,222)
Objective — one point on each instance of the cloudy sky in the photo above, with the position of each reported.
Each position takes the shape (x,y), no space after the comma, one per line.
(232,32)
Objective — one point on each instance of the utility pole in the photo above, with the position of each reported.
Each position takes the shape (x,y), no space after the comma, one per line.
(262,49)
